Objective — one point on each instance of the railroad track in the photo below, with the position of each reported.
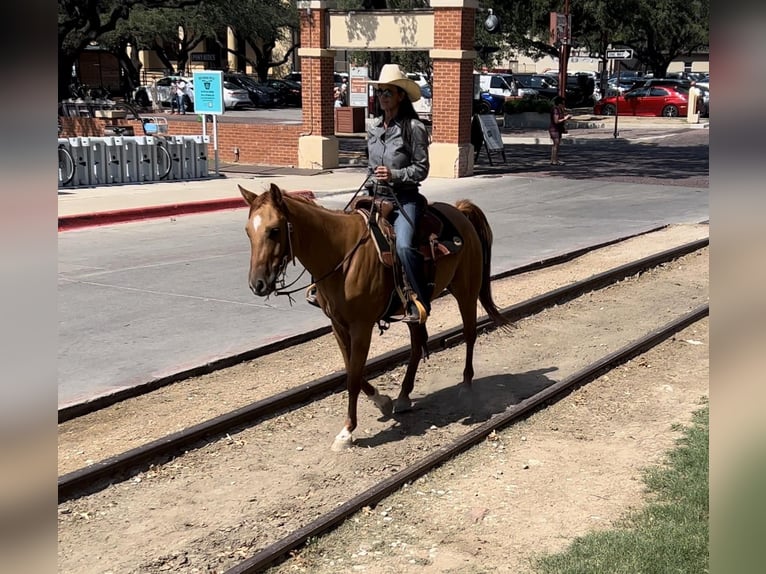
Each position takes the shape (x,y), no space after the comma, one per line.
(91,480)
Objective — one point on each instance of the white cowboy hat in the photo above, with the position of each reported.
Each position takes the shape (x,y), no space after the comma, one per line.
(392,74)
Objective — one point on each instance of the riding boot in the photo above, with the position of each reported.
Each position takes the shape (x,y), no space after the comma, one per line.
(420,307)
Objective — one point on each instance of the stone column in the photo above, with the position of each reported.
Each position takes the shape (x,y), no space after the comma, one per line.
(317,144)
(453,54)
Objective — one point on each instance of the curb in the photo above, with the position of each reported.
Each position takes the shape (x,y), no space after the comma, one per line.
(69,222)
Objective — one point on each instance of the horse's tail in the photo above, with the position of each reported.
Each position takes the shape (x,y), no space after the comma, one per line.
(477,218)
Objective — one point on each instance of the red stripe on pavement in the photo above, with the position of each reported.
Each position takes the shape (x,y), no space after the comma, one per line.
(67,222)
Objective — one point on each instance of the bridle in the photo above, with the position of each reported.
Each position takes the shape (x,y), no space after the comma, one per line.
(290,256)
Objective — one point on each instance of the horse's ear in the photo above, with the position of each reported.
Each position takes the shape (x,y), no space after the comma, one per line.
(276,195)
(249,196)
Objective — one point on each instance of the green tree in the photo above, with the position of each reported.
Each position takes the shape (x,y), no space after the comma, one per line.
(81,22)
(262,25)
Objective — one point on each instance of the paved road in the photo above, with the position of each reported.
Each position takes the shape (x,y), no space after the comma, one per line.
(147,299)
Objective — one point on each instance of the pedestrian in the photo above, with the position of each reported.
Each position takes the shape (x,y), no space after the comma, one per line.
(344,91)
(397,150)
(337,97)
(174,104)
(557,127)
(182,95)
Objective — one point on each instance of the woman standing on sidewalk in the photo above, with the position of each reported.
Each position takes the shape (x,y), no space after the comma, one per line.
(557,127)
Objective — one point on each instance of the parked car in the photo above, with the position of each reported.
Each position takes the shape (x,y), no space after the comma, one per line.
(489,104)
(261,95)
(504,85)
(297,77)
(546,86)
(163,91)
(424,104)
(235,97)
(289,90)
(668,101)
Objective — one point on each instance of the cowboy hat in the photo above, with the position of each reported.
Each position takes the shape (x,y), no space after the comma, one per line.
(392,74)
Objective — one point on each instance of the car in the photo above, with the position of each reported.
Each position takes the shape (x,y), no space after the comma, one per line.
(163,91)
(289,90)
(504,85)
(546,86)
(668,101)
(424,104)
(489,104)
(235,97)
(261,95)
(297,77)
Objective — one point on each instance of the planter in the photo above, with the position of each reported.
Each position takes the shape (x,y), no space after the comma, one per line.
(527,120)
(349,120)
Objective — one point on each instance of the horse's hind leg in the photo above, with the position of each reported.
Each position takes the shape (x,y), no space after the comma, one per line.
(418,340)
(467,304)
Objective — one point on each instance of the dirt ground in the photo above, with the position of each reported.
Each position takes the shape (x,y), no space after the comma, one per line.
(570,468)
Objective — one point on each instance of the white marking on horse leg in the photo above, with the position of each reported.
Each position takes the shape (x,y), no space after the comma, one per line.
(256,222)
(342,441)
(383,402)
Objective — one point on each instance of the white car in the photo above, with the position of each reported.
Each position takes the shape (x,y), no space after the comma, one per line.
(233,96)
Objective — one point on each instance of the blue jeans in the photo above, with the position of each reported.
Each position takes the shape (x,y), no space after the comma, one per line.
(406,249)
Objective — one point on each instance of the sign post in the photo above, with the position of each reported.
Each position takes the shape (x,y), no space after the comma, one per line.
(622,54)
(208,99)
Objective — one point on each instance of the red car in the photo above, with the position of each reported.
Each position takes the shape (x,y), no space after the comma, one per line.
(668,101)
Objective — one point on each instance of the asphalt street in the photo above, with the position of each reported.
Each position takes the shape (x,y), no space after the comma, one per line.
(147,299)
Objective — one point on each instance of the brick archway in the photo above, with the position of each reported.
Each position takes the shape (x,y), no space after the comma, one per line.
(446,30)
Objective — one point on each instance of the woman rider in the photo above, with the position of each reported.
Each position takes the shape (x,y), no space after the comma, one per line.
(397,149)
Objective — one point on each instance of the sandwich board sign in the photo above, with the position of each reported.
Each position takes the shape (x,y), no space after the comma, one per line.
(490,136)
(208,92)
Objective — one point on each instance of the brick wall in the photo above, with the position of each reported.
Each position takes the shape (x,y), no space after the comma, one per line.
(259,144)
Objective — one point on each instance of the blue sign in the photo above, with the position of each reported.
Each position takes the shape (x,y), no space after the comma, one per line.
(208,92)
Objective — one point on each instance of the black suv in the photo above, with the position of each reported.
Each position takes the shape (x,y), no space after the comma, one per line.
(546,86)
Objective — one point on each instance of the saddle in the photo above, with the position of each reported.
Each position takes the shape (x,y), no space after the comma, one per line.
(435,235)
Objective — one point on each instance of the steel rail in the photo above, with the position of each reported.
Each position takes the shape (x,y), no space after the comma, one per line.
(81,409)
(278,550)
(100,474)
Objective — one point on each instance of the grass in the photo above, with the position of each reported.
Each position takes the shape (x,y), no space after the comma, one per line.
(669,535)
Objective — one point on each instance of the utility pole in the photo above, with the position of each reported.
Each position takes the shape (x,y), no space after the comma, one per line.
(564,50)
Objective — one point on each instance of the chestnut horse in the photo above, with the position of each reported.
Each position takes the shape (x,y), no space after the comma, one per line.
(354,287)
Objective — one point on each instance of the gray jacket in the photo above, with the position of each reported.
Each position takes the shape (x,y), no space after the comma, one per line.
(408,161)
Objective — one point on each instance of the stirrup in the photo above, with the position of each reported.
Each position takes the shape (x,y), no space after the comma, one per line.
(417,315)
(311,295)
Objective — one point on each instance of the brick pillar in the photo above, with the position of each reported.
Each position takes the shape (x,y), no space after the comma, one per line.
(453,54)
(317,144)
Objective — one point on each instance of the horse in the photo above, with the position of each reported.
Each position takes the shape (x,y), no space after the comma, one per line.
(354,288)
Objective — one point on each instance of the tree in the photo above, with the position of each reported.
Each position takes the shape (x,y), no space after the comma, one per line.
(81,22)
(262,25)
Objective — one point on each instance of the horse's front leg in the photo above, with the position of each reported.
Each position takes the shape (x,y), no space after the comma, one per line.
(355,347)
(418,340)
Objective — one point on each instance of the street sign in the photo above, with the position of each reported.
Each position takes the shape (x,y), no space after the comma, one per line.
(619,54)
(208,92)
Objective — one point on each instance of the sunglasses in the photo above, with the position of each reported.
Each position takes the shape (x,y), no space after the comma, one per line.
(386,92)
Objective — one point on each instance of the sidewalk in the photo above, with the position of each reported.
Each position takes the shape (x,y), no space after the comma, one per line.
(84,207)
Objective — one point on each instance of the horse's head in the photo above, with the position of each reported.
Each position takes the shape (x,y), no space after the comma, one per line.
(267,229)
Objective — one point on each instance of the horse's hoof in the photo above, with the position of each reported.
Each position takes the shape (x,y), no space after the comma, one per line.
(342,441)
(341,444)
(402,405)
(385,405)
